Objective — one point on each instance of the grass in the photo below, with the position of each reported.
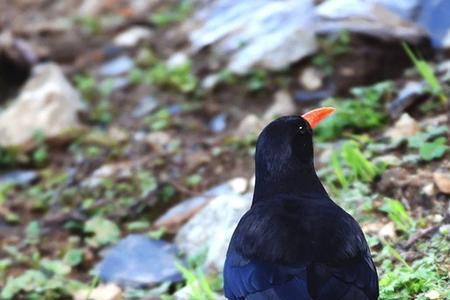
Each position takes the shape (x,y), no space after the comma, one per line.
(427,73)
(360,113)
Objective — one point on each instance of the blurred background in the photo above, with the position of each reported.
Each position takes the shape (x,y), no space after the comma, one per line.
(128,128)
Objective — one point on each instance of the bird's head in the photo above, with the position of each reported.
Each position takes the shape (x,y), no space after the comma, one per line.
(285,146)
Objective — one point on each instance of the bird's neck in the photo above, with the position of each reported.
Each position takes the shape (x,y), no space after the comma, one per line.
(296,181)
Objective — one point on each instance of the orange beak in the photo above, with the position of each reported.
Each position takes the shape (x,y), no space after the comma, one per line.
(316,115)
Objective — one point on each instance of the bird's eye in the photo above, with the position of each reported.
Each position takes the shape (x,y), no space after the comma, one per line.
(301,129)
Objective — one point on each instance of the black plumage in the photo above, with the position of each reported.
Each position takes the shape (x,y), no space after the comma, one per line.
(295,242)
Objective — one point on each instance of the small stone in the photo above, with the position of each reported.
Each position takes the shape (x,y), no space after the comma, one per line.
(239,184)
(48,104)
(283,105)
(210,81)
(139,261)
(120,170)
(442,180)
(108,291)
(432,295)
(220,216)
(388,231)
(311,78)
(132,36)
(251,124)
(146,105)
(117,66)
(404,128)
(177,60)
(428,189)
(437,218)
(18,177)
(158,140)
(117,134)
(388,159)
(218,123)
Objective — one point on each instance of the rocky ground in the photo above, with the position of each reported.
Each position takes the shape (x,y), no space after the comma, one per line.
(126,153)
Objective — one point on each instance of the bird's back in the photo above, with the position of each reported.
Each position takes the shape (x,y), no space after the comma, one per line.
(299,248)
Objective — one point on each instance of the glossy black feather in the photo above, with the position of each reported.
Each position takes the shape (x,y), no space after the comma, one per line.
(295,242)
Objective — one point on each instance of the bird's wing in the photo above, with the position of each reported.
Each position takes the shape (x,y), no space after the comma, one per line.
(352,279)
(257,280)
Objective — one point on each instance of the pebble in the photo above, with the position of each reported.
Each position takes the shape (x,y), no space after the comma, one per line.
(132,36)
(117,66)
(442,180)
(139,261)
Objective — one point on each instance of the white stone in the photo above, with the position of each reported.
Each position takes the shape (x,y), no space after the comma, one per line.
(48,103)
(131,37)
(311,78)
(388,231)
(178,59)
(108,291)
(404,128)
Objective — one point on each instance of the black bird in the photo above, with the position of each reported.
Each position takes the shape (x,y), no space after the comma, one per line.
(295,243)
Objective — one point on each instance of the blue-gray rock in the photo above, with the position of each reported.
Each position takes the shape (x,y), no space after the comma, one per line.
(18,177)
(139,261)
(145,106)
(117,66)
(218,123)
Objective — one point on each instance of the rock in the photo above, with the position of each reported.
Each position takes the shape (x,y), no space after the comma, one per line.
(404,128)
(177,60)
(388,159)
(48,103)
(311,78)
(146,105)
(251,124)
(428,189)
(314,97)
(220,216)
(218,123)
(283,105)
(433,295)
(120,170)
(182,212)
(117,66)
(210,81)
(387,231)
(102,292)
(442,180)
(269,34)
(158,140)
(132,36)
(139,261)
(19,177)
(407,96)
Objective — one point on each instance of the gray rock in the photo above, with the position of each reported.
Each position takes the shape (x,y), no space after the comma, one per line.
(271,34)
(139,261)
(146,105)
(181,212)
(18,177)
(212,228)
(117,66)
